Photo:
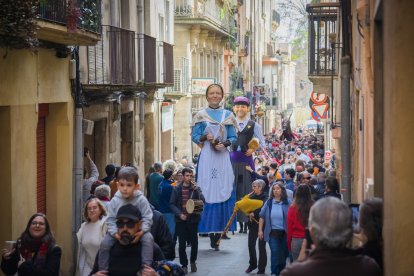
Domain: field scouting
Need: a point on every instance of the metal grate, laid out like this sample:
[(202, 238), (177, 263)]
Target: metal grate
[(323, 27), (178, 81)]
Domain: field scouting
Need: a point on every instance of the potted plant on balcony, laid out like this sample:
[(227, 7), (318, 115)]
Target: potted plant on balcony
[(17, 24)]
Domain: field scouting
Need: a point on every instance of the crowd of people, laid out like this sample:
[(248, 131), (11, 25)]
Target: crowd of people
[(302, 218)]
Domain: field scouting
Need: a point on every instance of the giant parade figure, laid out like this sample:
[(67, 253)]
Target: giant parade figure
[(213, 130), (242, 150)]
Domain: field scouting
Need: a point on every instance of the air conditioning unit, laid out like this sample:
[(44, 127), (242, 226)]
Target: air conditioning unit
[(178, 81), (87, 126)]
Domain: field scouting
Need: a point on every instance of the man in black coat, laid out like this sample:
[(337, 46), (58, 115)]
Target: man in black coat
[(161, 234), (186, 225)]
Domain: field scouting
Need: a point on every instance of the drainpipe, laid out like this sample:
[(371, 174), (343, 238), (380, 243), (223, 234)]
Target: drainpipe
[(78, 153), (346, 128), (141, 29)]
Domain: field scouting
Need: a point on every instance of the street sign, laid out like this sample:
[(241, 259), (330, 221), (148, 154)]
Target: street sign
[(321, 110), (318, 98)]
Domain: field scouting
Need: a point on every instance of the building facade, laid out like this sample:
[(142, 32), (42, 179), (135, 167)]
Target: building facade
[(124, 79), (37, 115)]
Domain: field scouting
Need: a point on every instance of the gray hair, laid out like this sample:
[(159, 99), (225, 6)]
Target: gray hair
[(103, 191), (331, 222), (260, 183)]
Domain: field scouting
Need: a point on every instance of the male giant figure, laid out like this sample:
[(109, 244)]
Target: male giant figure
[(241, 155)]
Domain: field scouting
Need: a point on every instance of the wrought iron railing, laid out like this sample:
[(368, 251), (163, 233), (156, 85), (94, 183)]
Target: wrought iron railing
[(85, 14), (113, 60), (208, 9), (323, 28)]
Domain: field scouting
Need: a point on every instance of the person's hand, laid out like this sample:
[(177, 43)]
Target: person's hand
[(210, 137), (138, 236), (251, 216), (260, 234), (220, 146), (22, 260), (183, 217), (249, 168), (249, 152), (6, 254), (148, 271), (101, 273), (303, 254)]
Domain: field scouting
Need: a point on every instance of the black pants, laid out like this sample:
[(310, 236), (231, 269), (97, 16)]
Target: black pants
[(253, 235), (187, 231)]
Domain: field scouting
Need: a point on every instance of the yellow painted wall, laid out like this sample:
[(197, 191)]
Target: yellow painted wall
[(398, 137), (26, 80)]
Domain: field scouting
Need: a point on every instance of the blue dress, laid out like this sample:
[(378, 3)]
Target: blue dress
[(215, 168)]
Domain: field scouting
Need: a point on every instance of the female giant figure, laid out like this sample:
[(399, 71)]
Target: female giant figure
[(214, 130)]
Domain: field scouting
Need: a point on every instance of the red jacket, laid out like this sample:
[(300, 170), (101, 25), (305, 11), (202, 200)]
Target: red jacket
[(295, 229)]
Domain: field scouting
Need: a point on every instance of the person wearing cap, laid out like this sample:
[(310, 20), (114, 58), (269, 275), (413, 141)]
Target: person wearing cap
[(123, 254), (213, 130), (128, 193), (241, 154)]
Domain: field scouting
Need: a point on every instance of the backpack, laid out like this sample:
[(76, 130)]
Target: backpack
[(168, 268)]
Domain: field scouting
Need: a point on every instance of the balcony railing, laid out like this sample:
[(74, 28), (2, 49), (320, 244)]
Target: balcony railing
[(85, 14), (112, 60), (323, 27), (208, 10)]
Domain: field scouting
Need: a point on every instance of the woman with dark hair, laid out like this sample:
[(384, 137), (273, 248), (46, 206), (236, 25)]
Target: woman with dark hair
[(370, 223), (332, 187), (113, 184), (36, 252), (273, 217), (90, 235), (298, 215)]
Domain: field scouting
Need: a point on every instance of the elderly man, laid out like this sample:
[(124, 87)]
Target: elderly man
[(125, 255), (330, 225)]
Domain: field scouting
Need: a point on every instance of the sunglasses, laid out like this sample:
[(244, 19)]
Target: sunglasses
[(128, 223)]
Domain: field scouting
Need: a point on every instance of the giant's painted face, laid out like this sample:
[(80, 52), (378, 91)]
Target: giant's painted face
[(241, 110)]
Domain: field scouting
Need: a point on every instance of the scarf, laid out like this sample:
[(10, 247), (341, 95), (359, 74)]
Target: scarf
[(35, 251)]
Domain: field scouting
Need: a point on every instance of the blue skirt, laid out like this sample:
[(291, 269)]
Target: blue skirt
[(216, 215)]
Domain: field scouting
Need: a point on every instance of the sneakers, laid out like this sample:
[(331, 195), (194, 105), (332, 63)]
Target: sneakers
[(185, 269), (261, 272), (193, 267), (250, 269)]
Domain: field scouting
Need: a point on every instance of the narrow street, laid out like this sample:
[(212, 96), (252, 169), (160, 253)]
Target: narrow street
[(232, 259)]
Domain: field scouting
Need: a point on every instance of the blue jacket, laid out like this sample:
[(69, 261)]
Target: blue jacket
[(265, 214), (165, 189)]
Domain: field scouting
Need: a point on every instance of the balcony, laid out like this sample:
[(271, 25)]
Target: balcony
[(75, 24), (207, 13), (113, 59), (323, 30)]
